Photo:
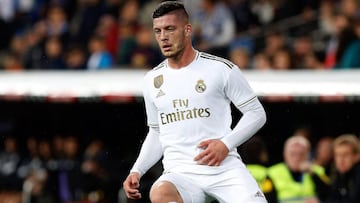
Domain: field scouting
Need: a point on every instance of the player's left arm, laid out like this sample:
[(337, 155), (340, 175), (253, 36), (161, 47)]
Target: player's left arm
[(254, 117), (244, 98), (215, 151)]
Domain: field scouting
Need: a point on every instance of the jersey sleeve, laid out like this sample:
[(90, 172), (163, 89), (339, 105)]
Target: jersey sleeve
[(151, 149), (151, 110), (237, 88), (254, 117), (150, 152)]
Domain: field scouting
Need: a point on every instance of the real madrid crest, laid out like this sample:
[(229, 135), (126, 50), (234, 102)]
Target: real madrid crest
[(158, 81), (200, 86)]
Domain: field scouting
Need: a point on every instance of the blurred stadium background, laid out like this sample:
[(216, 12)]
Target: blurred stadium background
[(301, 57)]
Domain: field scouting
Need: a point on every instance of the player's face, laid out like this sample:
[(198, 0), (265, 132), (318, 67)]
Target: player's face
[(170, 34)]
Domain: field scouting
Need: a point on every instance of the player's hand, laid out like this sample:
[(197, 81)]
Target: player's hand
[(214, 152), (131, 186)]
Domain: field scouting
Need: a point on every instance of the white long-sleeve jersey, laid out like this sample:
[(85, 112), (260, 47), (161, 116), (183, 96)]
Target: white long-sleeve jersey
[(192, 104)]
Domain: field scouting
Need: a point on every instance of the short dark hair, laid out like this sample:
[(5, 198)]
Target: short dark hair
[(169, 6)]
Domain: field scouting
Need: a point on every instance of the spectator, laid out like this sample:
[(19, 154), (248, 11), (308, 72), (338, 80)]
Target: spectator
[(215, 27), (261, 62), (282, 60), (241, 57), (44, 184), (9, 163), (274, 41), (350, 8), (33, 53), (56, 24), (127, 27), (12, 62), (145, 55), (18, 47), (296, 178), (57, 146), (35, 172), (95, 176), (99, 57), (129, 12), (333, 50), (349, 46), (126, 42), (302, 46), (324, 154), (75, 58), (53, 58), (65, 179), (345, 187), (30, 158), (86, 20), (244, 17), (107, 29)]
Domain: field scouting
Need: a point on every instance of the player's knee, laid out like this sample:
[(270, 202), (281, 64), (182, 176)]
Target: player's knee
[(164, 192)]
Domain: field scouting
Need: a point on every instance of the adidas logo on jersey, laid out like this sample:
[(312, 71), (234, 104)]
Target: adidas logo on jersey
[(259, 194), (160, 93)]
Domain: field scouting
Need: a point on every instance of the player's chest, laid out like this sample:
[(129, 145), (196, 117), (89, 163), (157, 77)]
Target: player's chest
[(185, 90)]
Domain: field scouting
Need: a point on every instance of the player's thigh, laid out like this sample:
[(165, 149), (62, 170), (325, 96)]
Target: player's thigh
[(234, 196), (236, 185), (189, 191)]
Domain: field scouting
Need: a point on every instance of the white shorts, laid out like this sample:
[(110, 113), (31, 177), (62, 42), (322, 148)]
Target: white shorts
[(233, 186)]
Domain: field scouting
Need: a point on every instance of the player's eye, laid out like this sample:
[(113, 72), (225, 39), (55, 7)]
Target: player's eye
[(170, 28)]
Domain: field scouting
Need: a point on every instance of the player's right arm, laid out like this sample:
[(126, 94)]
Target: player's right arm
[(150, 152), (149, 155), (151, 149)]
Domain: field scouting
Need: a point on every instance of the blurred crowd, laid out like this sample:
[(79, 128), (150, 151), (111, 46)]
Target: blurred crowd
[(64, 169), (115, 34), (56, 170), (325, 171), (104, 34)]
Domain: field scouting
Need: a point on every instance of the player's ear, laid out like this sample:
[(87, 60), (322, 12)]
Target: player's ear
[(188, 29)]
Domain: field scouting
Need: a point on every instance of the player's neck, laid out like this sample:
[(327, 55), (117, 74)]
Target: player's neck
[(184, 59)]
